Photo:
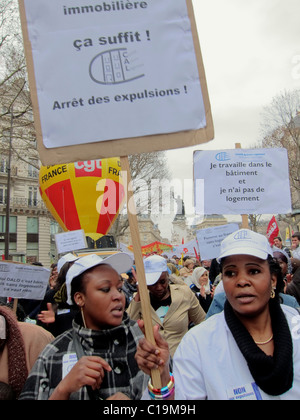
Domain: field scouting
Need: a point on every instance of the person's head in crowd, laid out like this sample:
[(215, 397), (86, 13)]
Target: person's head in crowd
[(278, 242), (206, 264), (53, 275), (295, 240), (157, 276), (189, 264), (295, 265), (249, 271), (94, 284), (66, 259), (131, 276), (283, 260), (200, 279)]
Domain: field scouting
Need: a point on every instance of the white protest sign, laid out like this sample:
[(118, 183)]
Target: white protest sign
[(70, 241), (243, 181), (210, 239), (21, 281), (115, 69)]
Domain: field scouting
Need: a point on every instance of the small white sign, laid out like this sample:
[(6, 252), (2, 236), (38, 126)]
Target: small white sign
[(210, 239), (21, 281), (70, 241), (69, 361), (243, 181)]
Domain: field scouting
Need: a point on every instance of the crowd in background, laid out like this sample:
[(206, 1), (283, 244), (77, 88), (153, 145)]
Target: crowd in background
[(186, 292)]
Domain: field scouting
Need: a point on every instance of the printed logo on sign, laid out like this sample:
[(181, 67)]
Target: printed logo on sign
[(4, 268), (222, 157), (116, 66), (88, 168)]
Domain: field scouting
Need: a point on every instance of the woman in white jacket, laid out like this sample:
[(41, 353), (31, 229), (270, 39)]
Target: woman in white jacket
[(253, 347)]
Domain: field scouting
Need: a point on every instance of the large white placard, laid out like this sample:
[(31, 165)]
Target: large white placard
[(209, 240), (242, 181), (117, 69), (23, 281)]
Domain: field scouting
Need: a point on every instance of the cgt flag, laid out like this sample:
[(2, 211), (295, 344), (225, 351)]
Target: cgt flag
[(273, 230)]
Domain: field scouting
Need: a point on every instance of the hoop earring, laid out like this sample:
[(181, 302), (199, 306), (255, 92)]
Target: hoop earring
[(83, 319), (273, 294)]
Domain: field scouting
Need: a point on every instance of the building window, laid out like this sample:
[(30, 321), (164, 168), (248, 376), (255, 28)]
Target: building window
[(32, 196), (12, 233), (4, 164), (54, 227), (12, 224), (32, 230), (3, 194), (32, 225), (32, 170)]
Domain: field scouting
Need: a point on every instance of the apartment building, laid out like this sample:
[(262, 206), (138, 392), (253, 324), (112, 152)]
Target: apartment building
[(31, 226)]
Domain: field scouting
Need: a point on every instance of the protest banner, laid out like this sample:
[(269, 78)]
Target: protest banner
[(209, 240), (243, 181), (22, 281), (128, 79), (190, 249)]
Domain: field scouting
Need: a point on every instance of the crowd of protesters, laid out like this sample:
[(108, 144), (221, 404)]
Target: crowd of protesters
[(224, 329)]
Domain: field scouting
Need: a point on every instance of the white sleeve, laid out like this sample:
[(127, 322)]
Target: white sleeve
[(188, 370)]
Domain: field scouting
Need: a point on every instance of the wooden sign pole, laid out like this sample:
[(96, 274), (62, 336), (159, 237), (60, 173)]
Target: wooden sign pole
[(137, 250), (245, 219)]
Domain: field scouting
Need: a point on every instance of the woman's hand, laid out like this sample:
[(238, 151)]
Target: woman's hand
[(47, 317), (89, 370), (149, 356)]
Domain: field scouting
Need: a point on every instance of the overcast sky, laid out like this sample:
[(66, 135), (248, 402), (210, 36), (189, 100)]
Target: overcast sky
[(250, 51)]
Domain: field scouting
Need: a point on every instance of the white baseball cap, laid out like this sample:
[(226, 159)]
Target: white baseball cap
[(64, 259), (245, 242), (120, 262), (154, 267)]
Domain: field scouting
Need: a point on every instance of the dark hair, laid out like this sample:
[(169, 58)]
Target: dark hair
[(77, 285), (296, 235), (279, 239), (276, 270), (61, 278), (280, 256)]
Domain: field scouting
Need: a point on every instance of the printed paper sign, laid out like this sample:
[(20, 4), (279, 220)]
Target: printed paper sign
[(113, 69), (243, 181), (23, 281), (209, 240), (70, 241)]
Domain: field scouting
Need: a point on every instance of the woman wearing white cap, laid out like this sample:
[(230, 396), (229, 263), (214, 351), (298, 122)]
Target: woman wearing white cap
[(173, 306), (95, 359), (253, 346)]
